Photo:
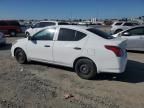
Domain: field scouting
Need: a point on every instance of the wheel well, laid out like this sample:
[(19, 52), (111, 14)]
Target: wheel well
[(119, 30), (16, 49), (83, 58), (27, 32)]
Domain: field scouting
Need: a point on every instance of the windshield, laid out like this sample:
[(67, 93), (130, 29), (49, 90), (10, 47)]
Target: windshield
[(100, 33)]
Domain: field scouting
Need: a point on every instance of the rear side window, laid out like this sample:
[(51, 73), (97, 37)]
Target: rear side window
[(70, 35), (118, 23), (3, 23), (128, 24), (100, 33)]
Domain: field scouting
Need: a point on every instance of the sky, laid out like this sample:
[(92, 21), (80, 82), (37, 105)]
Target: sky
[(65, 9)]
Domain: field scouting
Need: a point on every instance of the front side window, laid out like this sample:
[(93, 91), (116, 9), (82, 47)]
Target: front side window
[(135, 31), (46, 34), (70, 35), (36, 25)]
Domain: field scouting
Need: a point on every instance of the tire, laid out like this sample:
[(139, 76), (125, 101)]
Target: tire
[(85, 69), (117, 31), (27, 34), (12, 33), (20, 56)]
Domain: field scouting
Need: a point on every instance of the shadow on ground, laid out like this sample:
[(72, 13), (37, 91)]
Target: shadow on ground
[(51, 66), (134, 72)]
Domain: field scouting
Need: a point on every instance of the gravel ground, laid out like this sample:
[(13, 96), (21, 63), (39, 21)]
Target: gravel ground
[(38, 85)]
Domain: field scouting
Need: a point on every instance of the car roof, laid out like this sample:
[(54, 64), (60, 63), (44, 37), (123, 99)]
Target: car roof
[(71, 26), (48, 21)]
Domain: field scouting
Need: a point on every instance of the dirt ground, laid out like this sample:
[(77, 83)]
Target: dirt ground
[(38, 85)]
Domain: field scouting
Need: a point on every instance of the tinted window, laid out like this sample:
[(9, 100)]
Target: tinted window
[(13, 23), (100, 33), (136, 31), (128, 24), (63, 23), (44, 24), (79, 35), (46, 34), (3, 23), (70, 35), (118, 23), (37, 25)]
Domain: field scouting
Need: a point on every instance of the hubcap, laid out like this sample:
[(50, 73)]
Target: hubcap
[(20, 56), (84, 69)]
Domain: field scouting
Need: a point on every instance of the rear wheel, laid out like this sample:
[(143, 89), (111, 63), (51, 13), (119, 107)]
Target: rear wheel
[(85, 69), (20, 56)]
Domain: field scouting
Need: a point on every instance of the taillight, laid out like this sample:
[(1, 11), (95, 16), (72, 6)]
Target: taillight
[(118, 51)]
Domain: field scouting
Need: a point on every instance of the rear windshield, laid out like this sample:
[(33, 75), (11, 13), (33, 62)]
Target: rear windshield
[(100, 33)]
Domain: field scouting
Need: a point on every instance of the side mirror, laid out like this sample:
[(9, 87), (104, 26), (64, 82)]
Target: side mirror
[(32, 26), (126, 34), (30, 38)]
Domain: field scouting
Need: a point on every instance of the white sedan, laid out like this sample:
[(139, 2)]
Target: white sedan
[(135, 38), (87, 50), (2, 39)]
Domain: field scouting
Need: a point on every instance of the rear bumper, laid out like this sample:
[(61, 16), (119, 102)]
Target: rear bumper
[(117, 65)]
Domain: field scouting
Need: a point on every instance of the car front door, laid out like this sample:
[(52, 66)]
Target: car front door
[(134, 38), (68, 46), (40, 46)]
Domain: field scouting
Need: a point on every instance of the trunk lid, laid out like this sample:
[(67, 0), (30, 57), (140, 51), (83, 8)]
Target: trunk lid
[(122, 43)]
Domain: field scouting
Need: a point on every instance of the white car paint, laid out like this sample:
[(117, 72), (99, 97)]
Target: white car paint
[(122, 26), (63, 52), (134, 42)]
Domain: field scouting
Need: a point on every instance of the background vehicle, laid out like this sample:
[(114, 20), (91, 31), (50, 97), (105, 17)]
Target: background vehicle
[(135, 38), (10, 27), (2, 39), (87, 50), (120, 26), (38, 26)]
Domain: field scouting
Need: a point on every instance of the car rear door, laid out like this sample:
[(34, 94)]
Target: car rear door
[(134, 38), (68, 46)]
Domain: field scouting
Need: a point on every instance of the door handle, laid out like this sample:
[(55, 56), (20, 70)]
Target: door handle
[(47, 46), (77, 48)]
